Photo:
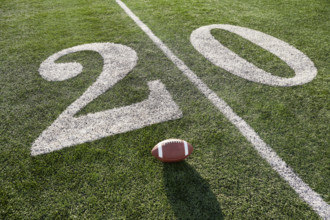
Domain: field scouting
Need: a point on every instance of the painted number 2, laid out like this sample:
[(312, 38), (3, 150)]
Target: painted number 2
[(68, 130)]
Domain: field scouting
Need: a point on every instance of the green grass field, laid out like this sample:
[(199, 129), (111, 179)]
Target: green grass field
[(116, 177)]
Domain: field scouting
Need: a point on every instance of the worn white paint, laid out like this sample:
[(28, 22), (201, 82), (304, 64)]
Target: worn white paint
[(68, 130), (219, 55), (265, 151)]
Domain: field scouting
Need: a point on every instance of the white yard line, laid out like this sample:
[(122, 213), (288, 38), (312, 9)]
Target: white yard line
[(266, 152)]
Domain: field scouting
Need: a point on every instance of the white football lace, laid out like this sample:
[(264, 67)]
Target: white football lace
[(171, 142)]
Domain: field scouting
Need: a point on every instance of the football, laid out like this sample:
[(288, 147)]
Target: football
[(172, 150)]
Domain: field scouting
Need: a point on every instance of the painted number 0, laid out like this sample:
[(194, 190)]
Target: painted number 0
[(216, 53), (119, 60)]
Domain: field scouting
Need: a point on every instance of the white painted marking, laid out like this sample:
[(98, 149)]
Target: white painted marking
[(160, 150), (68, 130), (266, 152), (186, 151), (219, 55)]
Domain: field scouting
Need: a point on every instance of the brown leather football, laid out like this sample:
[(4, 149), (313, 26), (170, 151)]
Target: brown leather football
[(172, 150)]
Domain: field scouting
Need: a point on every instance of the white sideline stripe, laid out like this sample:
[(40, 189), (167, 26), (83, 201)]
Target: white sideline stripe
[(266, 152), (186, 148), (160, 150)]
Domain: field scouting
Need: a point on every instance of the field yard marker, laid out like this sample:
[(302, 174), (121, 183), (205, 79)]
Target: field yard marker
[(68, 130), (221, 56), (266, 152)]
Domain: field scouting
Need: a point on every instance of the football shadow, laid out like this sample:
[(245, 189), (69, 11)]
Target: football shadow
[(189, 194)]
